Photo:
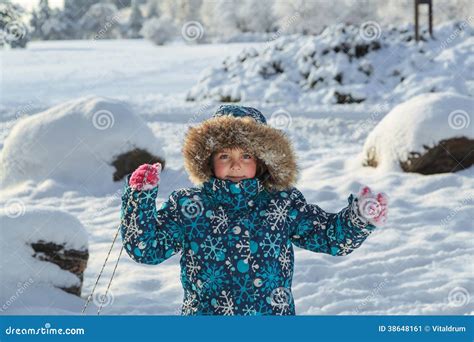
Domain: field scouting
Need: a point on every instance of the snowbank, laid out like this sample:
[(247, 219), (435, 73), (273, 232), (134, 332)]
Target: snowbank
[(422, 121), (344, 65), (21, 226), (75, 143)]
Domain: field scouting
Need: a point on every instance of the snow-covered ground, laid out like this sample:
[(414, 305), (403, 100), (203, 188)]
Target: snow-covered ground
[(419, 263)]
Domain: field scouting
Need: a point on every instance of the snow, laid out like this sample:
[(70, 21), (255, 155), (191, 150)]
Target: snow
[(53, 73), (416, 264), (389, 66), (424, 120), (22, 225), (34, 225), (44, 146)]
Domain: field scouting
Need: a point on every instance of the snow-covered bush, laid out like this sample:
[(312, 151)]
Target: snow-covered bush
[(220, 18), (180, 11), (70, 18), (158, 30), (152, 9), (430, 133), (100, 22), (13, 31), (52, 25), (257, 15), (75, 143), (344, 64), (38, 18), (135, 22)]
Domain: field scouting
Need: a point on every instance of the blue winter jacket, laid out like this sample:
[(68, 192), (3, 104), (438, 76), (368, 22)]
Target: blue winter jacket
[(235, 241)]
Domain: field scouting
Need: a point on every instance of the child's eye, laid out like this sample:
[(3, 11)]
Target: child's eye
[(247, 156), (223, 156)]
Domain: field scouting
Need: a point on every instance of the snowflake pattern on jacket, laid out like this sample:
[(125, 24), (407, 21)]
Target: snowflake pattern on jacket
[(235, 241)]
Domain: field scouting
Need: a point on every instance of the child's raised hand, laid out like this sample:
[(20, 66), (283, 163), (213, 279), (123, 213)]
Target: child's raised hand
[(373, 207), (152, 172)]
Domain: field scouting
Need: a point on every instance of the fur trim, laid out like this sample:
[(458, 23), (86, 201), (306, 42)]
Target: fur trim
[(271, 146)]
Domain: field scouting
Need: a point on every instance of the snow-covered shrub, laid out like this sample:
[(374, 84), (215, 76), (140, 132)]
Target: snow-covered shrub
[(100, 22), (220, 18), (135, 22), (13, 31), (257, 15), (158, 30), (430, 133), (57, 25), (344, 64)]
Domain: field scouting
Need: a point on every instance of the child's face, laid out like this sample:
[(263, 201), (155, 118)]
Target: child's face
[(234, 165)]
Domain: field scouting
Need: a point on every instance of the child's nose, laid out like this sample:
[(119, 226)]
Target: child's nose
[(235, 165)]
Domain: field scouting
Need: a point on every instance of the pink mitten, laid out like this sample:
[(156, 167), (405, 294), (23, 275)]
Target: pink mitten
[(145, 177), (373, 207)]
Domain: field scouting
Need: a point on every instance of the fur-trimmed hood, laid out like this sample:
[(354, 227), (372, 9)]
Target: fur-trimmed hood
[(244, 127)]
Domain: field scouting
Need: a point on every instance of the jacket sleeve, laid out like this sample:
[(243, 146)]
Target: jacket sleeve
[(150, 236), (332, 233)]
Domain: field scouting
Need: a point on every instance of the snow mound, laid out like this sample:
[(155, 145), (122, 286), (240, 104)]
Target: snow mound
[(20, 227), (74, 143), (32, 224), (422, 121), (344, 64)]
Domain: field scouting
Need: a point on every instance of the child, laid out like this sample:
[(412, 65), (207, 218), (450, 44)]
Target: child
[(235, 231)]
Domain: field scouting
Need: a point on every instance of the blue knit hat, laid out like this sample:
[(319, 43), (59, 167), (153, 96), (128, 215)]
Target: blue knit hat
[(240, 111)]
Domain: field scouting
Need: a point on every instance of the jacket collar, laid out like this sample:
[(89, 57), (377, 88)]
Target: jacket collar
[(233, 196)]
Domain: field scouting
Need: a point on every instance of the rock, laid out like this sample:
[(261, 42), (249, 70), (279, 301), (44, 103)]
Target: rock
[(71, 260), (449, 155), (428, 134), (128, 162), (346, 98), (38, 240)]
